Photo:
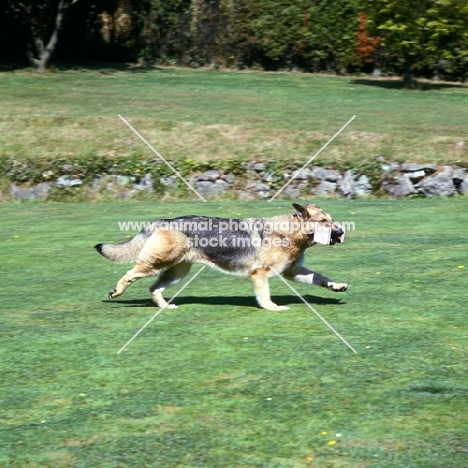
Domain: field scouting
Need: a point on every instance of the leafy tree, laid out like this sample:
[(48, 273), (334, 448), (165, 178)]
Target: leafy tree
[(163, 28), (448, 44), (241, 47), (42, 20), (314, 35), (333, 34), (367, 46), (419, 32), (205, 31), (280, 28)]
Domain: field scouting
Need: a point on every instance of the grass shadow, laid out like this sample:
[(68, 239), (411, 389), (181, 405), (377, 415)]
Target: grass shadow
[(108, 67), (398, 84), (239, 301), (105, 68)]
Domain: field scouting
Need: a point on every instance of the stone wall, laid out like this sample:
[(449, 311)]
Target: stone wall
[(256, 180)]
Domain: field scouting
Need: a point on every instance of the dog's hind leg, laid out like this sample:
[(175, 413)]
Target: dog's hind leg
[(162, 250), (168, 278), (300, 274), (262, 290), (140, 270)]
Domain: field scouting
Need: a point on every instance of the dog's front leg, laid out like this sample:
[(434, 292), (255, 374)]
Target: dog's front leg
[(300, 274), (262, 290)]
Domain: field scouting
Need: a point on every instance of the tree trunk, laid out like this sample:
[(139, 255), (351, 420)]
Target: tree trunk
[(408, 80), (41, 60)]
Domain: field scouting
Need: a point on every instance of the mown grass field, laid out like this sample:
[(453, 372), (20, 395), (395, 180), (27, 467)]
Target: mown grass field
[(219, 382), (206, 115)]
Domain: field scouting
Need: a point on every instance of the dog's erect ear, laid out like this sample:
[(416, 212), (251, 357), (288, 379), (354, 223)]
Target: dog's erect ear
[(300, 211)]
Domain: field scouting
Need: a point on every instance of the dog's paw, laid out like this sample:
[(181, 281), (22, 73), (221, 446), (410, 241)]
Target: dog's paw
[(274, 307), (111, 294), (338, 287), (169, 306)]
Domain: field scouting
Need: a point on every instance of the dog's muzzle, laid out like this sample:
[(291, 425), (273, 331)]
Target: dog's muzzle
[(336, 236)]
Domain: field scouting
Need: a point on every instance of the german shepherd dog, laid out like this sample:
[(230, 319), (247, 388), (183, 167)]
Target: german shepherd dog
[(257, 247)]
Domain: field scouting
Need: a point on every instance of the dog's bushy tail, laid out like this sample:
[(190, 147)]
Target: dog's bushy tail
[(125, 252)]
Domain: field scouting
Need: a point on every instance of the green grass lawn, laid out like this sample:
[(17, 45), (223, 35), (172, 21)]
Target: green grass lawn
[(208, 115), (219, 382)]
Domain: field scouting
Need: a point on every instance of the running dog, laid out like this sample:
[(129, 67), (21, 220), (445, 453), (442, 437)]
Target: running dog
[(257, 247)]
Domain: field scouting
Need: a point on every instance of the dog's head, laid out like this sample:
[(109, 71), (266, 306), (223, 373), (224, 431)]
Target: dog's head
[(312, 216)]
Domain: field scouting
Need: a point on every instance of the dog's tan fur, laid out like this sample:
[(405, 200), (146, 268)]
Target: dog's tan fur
[(170, 254)]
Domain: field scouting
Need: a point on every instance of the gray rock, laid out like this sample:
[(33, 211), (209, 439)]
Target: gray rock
[(459, 175), (390, 167), (324, 174), (416, 176), (169, 181), (362, 187), (463, 189), (211, 175), (122, 181), (269, 177), (259, 189), (209, 188), (259, 167), (229, 178), (346, 185), (303, 174), (97, 183), (205, 187), (146, 183), (447, 170), (401, 187), (68, 182), (325, 188), (439, 185), (32, 193), (414, 167), (42, 189), (292, 192), (258, 186), (67, 168)]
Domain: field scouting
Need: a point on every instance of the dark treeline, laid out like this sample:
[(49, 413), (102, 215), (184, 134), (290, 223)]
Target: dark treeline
[(423, 37)]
